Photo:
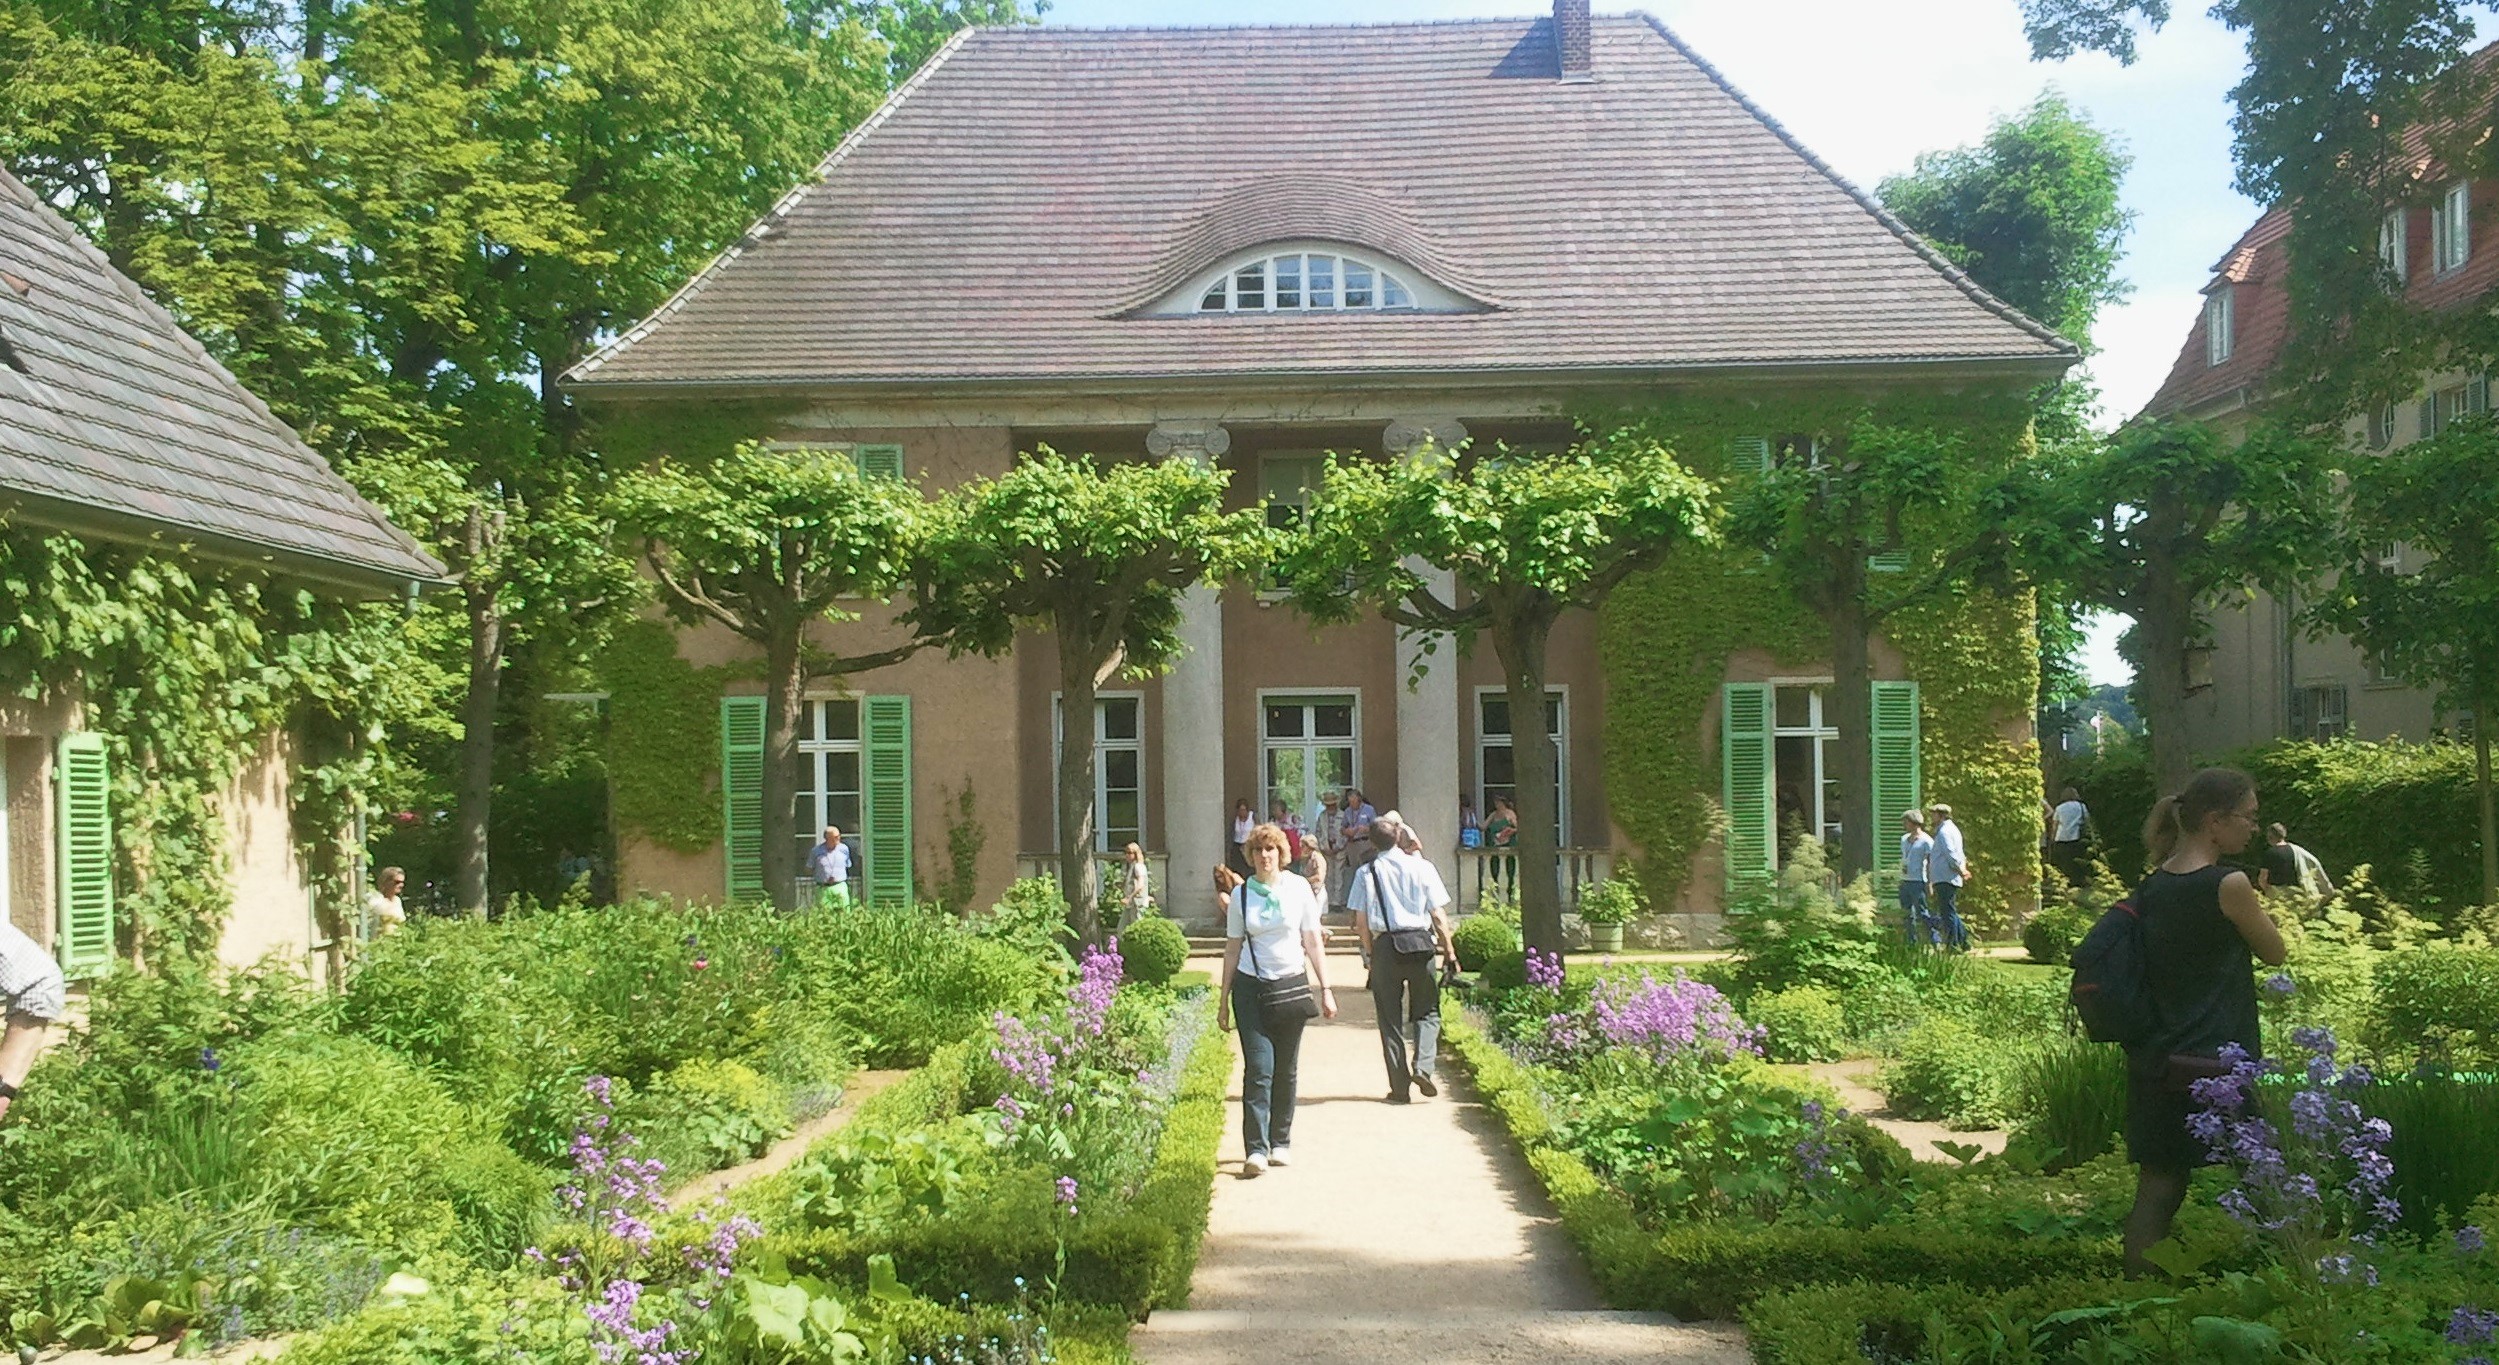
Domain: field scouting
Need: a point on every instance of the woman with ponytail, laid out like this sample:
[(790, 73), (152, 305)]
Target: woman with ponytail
[(2202, 925)]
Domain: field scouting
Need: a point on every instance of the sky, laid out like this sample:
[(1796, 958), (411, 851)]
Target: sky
[(1869, 84)]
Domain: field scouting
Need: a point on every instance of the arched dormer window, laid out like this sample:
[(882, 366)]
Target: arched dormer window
[(1305, 282)]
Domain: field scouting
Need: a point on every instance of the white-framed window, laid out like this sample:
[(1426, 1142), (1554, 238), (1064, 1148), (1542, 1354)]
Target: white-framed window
[(828, 772), (1118, 766), (2451, 228), (2393, 247), (1306, 282), (2220, 324), (1309, 744), (1805, 797), (1496, 768), (2444, 406), (2321, 711), (2381, 426)]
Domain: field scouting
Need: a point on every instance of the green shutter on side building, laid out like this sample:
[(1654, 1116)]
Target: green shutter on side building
[(83, 939), (1896, 776), (885, 799), (1749, 455), (1744, 741), (878, 462), (742, 795)]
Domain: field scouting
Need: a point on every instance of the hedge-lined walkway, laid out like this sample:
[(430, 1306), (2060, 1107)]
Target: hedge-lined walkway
[(1397, 1234)]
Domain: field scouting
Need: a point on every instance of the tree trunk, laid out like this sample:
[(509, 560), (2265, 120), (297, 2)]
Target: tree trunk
[(2161, 626), (785, 682), (1519, 637), (2490, 811), (1852, 693), (1079, 880), (477, 727)]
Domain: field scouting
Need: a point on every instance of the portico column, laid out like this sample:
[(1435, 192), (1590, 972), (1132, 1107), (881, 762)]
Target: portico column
[(1195, 815), (1428, 733)]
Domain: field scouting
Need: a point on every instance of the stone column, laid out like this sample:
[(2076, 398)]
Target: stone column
[(1195, 813), (1429, 738)]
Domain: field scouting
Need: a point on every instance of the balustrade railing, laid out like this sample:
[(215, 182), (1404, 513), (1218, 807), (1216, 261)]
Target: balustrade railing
[(1496, 871)]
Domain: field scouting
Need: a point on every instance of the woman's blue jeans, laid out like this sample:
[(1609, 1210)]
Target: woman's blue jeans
[(1271, 1055)]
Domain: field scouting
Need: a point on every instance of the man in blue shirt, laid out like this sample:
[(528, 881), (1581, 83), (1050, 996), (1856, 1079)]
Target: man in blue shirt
[(1917, 847), (830, 862), (1947, 867)]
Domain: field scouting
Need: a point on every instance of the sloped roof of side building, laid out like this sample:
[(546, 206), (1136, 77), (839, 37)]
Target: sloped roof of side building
[(116, 423)]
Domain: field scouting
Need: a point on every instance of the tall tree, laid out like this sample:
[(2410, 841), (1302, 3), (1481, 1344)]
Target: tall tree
[(2431, 617), (1523, 538), (768, 543), (2161, 522), (1862, 514), (1095, 555), (402, 222)]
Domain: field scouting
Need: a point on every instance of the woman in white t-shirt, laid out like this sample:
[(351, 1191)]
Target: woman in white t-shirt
[(1271, 934)]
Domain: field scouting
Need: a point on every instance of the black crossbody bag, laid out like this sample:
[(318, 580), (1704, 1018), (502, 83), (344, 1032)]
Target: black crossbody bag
[(1409, 942), (1286, 997)]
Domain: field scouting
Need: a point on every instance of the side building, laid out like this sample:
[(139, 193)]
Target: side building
[(117, 428), (1255, 246), (2263, 675)]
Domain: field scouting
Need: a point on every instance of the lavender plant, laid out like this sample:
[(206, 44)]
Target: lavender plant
[(1072, 1101)]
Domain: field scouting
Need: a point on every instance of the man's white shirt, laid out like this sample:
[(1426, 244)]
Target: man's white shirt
[(1409, 890)]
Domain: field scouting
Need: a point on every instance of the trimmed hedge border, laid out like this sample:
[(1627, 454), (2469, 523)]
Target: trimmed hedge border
[(1844, 1324), (1135, 1260), (1715, 1270)]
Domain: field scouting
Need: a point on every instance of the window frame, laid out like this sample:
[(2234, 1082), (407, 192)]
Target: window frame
[(812, 750), (1310, 698), (2395, 244), (1387, 290), (1823, 731), (2451, 229), (1558, 703), (2221, 324), (1102, 744), (2308, 720)]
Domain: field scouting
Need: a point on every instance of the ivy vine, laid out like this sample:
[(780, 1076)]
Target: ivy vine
[(663, 737)]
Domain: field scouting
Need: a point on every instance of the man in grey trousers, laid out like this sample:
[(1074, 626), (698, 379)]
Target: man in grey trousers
[(1401, 912)]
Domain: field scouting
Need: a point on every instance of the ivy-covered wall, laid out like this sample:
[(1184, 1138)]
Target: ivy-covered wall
[(1666, 638), (186, 669), (663, 738)]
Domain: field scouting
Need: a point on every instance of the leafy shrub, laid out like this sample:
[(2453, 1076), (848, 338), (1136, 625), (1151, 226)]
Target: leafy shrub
[(904, 982), (1481, 938), (1794, 932), (267, 1277), (1714, 1270), (1720, 1141), (2049, 936), (1154, 950), (1800, 1024), (1881, 1005), (2440, 994), (1612, 901), (1504, 971), (2445, 1148), (706, 1115), (1945, 1069), (801, 1051), (1031, 916)]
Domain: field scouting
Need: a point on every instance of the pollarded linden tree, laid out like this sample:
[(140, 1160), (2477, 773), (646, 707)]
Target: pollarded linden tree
[(1524, 537)]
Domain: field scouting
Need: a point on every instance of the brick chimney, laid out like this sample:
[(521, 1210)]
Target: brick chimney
[(1570, 38)]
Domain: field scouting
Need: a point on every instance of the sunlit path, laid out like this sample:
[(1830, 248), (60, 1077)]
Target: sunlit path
[(1398, 1233)]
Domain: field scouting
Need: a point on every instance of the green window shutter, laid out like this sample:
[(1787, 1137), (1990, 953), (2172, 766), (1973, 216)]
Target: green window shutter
[(878, 462), (2477, 394), (1744, 737), (1895, 767), (83, 939), (885, 801), (1749, 455), (2429, 416), (1890, 561), (742, 795)]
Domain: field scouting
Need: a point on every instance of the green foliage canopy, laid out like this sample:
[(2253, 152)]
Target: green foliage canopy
[(1097, 555), (1522, 537)]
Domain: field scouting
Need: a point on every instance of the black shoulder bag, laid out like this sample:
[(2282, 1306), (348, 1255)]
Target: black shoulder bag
[(1286, 997), (1410, 942)]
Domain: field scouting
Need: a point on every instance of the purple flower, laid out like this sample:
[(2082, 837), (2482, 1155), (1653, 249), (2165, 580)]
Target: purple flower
[(2469, 1240), (1067, 1194), (208, 1060), (2471, 1326), (1670, 1020), (2314, 1039), (1544, 969), (2279, 984)]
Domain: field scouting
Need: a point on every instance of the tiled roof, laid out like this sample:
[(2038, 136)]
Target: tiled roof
[(114, 421), (2258, 263), (1009, 209)]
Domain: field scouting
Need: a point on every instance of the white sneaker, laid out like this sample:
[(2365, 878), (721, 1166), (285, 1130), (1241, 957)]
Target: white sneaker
[(1281, 1156), (1255, 1167)]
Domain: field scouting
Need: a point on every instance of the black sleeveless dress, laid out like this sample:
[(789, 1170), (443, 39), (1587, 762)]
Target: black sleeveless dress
[(2203, 980)]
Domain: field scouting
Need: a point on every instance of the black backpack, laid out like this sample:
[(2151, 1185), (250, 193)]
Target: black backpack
[(2112, 990)]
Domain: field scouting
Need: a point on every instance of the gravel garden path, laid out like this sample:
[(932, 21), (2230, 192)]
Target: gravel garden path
[(1397, 1234), (1855, 1083)]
